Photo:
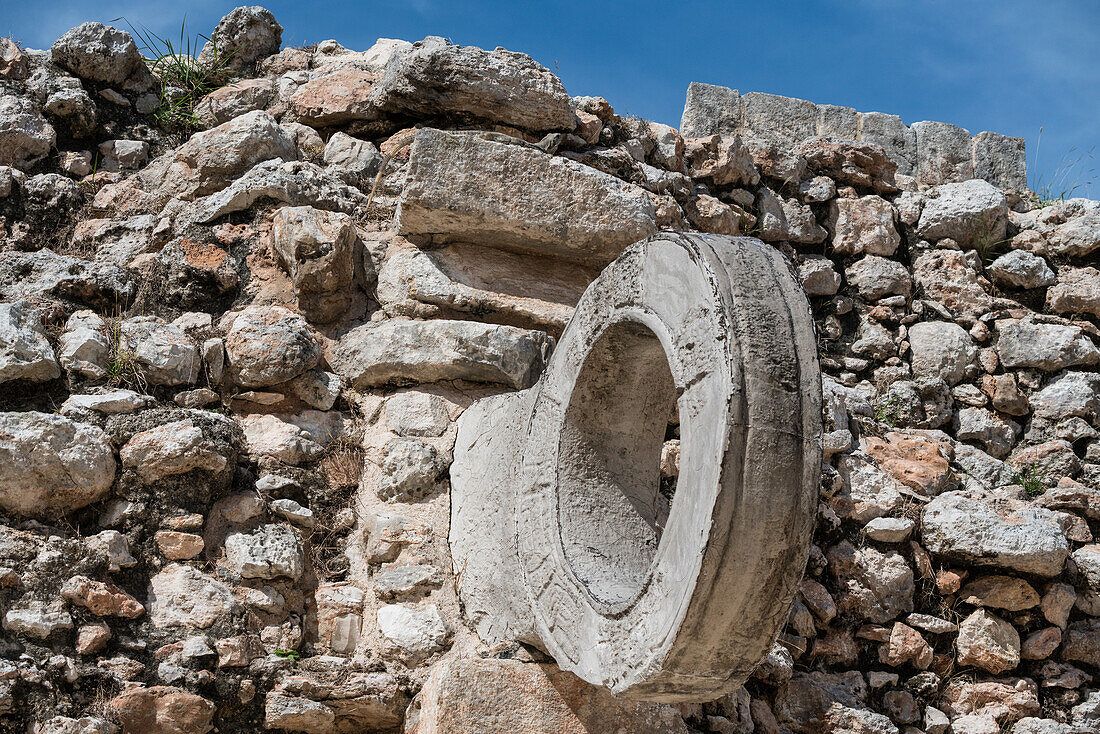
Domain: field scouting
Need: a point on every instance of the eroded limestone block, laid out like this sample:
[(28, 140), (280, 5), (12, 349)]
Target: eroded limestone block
[(566, 536), (550, 205)]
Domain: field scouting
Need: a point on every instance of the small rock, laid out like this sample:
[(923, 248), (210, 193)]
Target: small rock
[(170, 449), (410, 470), (416, 630), (25, 353), (889, 529), (1000, 592), (270, 551), (177, 546), (100, 598), (1021, 269), (988, 642)]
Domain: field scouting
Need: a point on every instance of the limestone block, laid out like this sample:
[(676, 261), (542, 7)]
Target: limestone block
[(463, 188)]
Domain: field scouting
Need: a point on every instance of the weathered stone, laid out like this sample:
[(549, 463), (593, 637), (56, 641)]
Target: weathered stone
[(429, 351), (177, 546), (338, 96), (25, 136), (1081, 642), (710, 110), (898, 140), (398, 581), (1049, 347), (917, 461), (889, 529), (1087, 559), (723, 159), (818, 275), (478, 696), (1021, 269), (1049, 461), (163, 710), (319, 250), (772, 119), (871, 492), (905, 645), (943, 153), (969, 212), (37, 619), (997, 435), (233, 100), (863, 165), (84, 347), (988, 642), (46, 274), (875, 586), (124, 154), (995, 532), (339, 616), (294, 713), (98, 53), (52, 465), (1006, 699), (434, 76), (296, 183), (416, 631), (1078, 237), (941, 349), (946, 277), (357, 159), (1006, 394), (990, 473), (538, 292), (708, 214), (414, 413), (1077, 291), (464, 188), (173, 448), (1000, 592), (1041, 644), (863, 226), (211, 160), (267, 345), (183, 596), (243, 37), (1069, 394), (271, 551), (875, 277), (291, 439), (163, 354), (1000, 160), (25, 353), (100, 598), (806, 702), (410, 470)]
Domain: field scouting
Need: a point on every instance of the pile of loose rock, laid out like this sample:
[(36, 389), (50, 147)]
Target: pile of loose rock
[(231, 366)]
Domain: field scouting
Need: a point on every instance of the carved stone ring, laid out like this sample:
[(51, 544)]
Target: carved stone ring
[(564, 534)]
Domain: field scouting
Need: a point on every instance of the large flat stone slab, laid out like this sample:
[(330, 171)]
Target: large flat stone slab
[(474, 696), (405, 352), (464, 188)]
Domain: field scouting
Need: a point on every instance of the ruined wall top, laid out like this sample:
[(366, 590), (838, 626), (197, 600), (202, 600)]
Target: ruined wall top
[(933, 152)]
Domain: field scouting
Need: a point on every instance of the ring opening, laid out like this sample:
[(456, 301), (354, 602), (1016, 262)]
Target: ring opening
[(612, 499)]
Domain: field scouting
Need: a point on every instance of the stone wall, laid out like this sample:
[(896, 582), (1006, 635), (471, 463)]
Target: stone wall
[(235, 346), (931, 152)]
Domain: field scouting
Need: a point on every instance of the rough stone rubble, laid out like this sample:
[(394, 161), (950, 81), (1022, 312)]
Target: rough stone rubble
[(229, 391)]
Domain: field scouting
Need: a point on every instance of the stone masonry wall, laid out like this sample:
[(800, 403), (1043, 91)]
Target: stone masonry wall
[(931, 152), (235, 343)]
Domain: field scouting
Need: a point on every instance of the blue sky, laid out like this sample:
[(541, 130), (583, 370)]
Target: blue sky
[(1006, 65)]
